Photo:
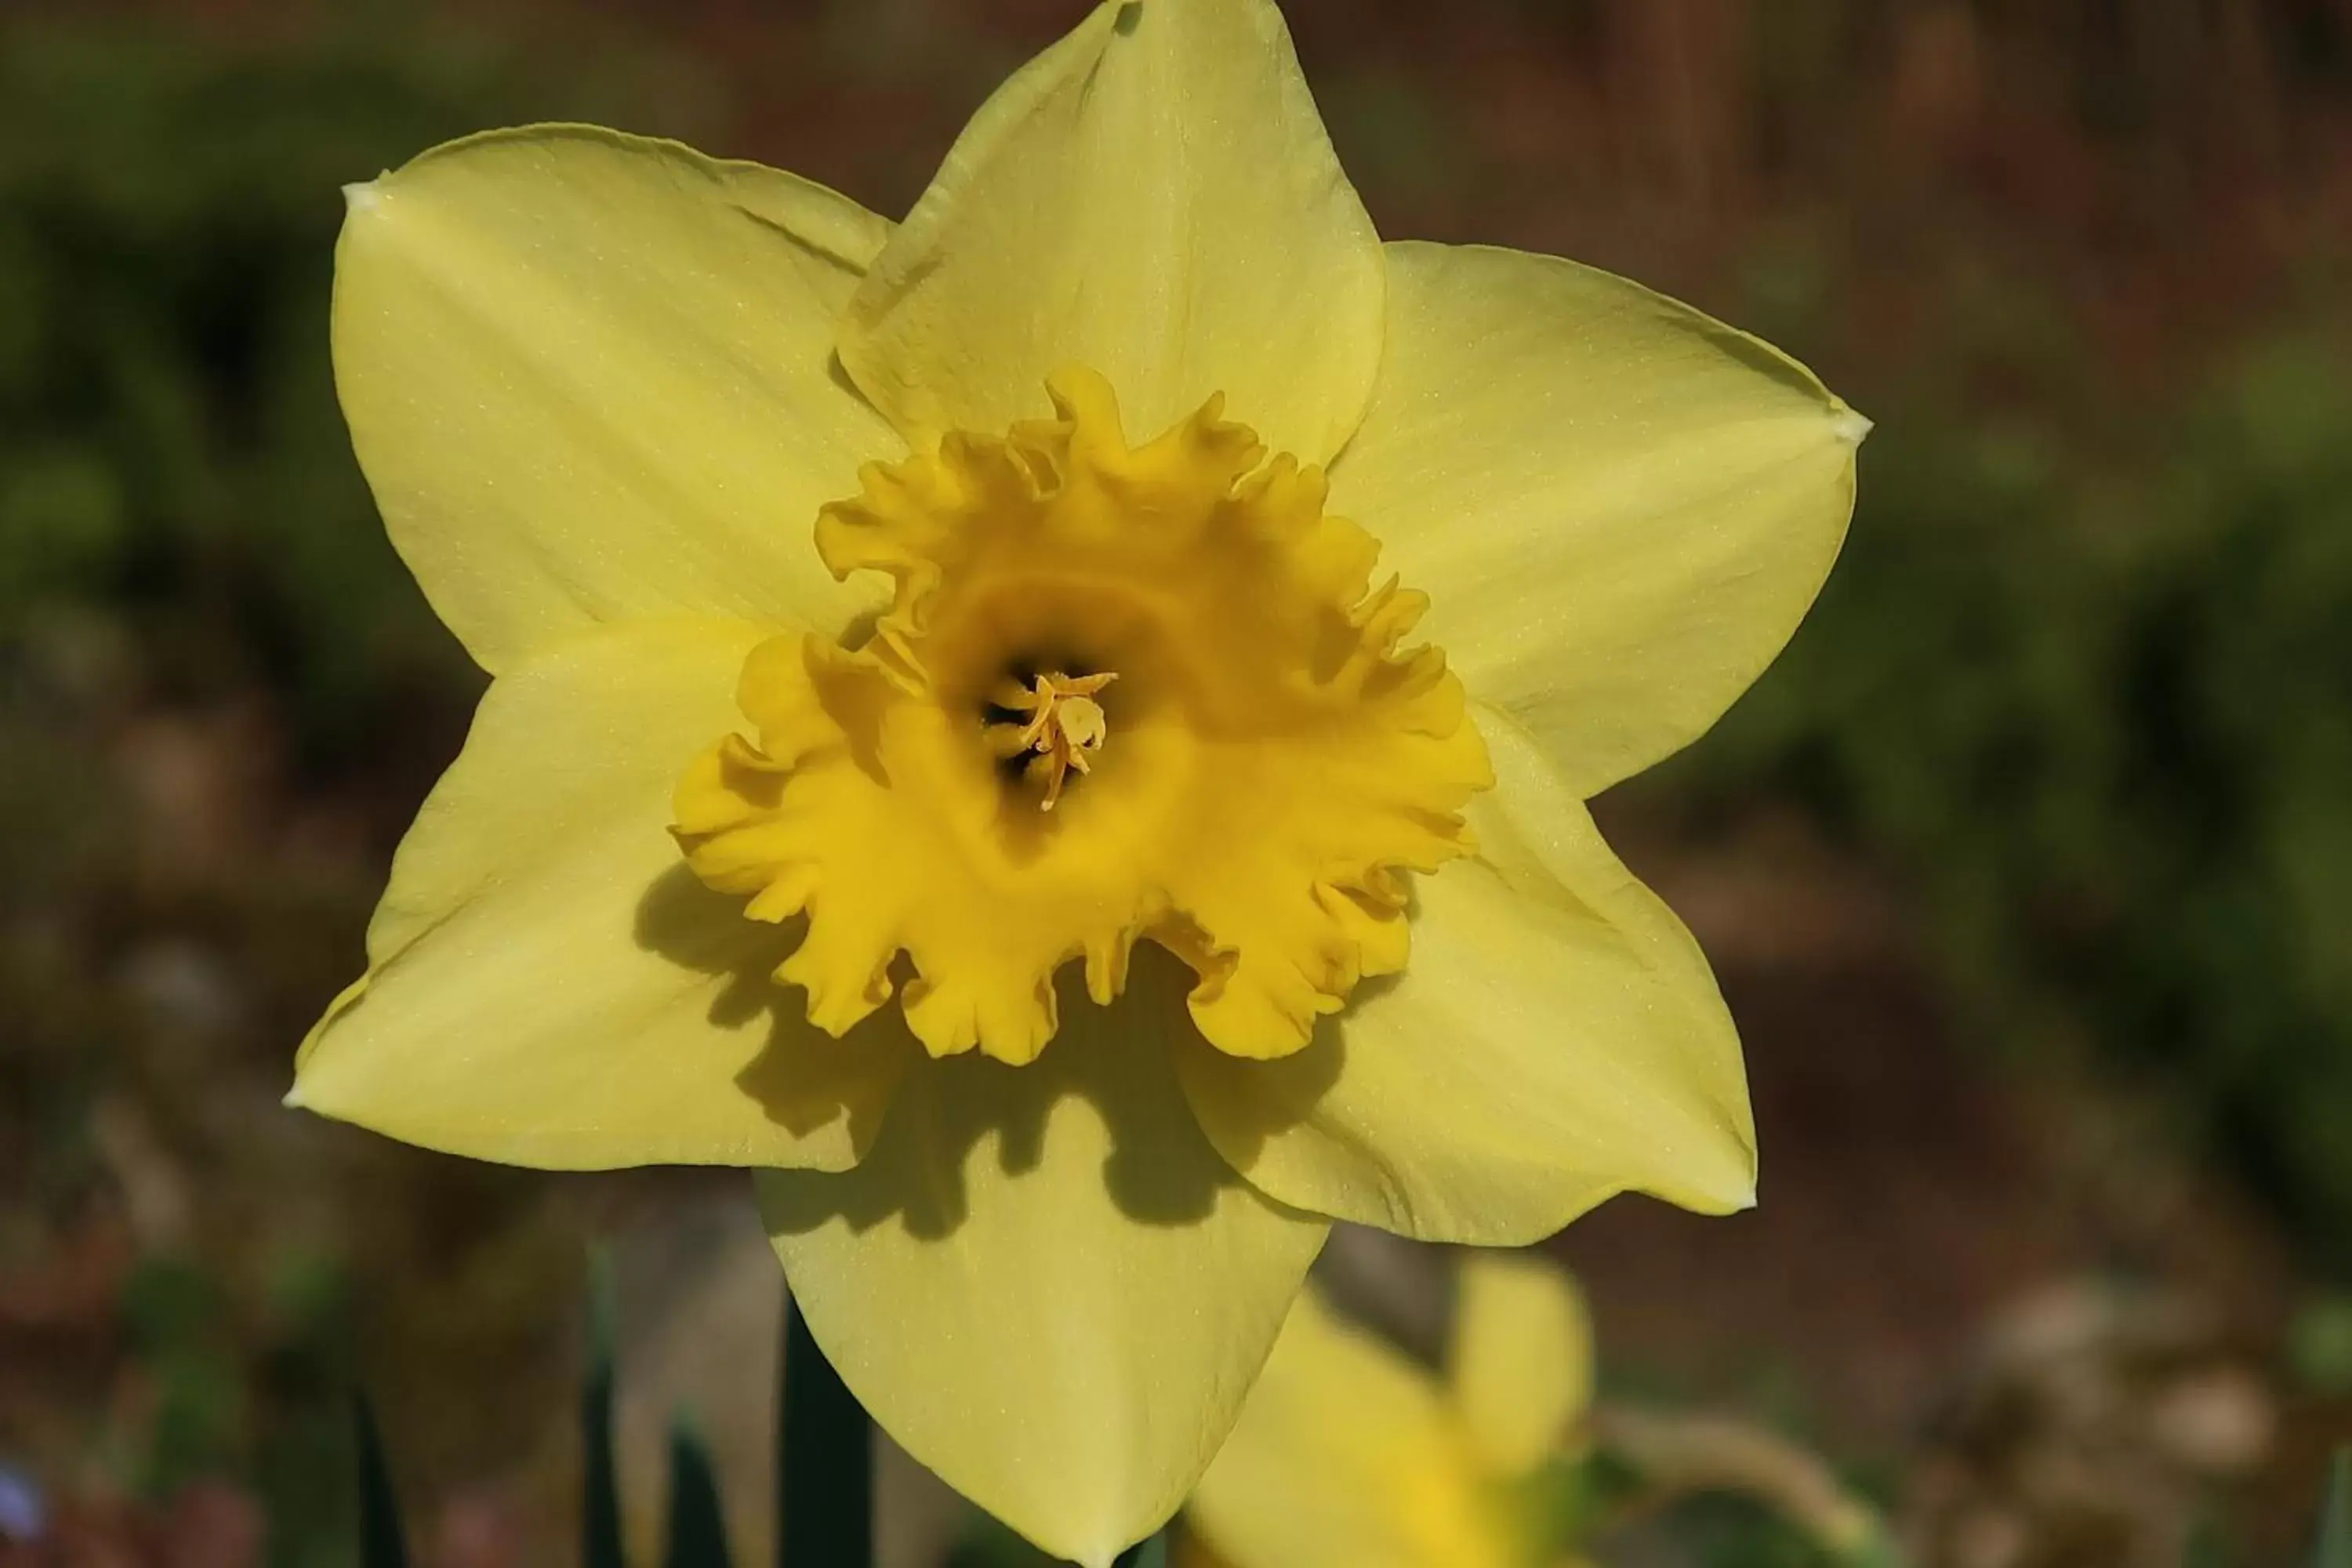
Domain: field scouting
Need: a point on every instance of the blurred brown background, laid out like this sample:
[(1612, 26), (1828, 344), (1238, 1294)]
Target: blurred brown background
[(2028, 872)]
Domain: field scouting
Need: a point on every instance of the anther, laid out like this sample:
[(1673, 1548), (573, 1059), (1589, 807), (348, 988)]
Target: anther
[(1064, 724)]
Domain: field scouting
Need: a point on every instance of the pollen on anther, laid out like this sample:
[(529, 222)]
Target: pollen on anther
[(1064, 724)]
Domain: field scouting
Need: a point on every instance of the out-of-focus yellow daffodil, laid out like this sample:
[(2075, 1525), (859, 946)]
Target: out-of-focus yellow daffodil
[(1349, 1454), (948, 751)]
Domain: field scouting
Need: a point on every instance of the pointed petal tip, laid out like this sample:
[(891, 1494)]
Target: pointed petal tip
[(362, 197), (1286, 301), (1117, 1548), (1736, 1191), (1716, 1186), (1852, 428)]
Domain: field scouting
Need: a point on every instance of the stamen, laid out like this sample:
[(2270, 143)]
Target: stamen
[(1064, 724), (1284, 760)]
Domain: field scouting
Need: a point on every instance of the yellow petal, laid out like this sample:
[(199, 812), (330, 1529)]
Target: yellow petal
[(590, 377), (1555, 1039), (1521, 1360), (1042, 1280), (549, 984), (1347, 1456), (1619, 508), (1153, 197)]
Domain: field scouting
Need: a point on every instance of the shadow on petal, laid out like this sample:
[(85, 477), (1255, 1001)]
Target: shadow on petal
[(970, 1119), (803, 1078), (1283, 1092), (1042, 1280)]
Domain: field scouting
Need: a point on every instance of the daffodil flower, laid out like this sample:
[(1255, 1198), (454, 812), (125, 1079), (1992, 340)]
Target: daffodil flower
[(969, 737), (1349, 1454)]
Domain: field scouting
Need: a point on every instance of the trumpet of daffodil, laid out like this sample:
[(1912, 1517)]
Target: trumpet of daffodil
[(1349, 1455), (969, 737)]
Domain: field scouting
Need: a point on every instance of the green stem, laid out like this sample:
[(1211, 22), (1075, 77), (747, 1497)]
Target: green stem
[(698, 1521), (824, 1462), (380, 1542), (1152, 1553), (600, 1522), (2334, 1548)]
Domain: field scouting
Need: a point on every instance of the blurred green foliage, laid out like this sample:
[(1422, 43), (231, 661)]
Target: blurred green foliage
[(2319, 1346), (169, 440), (170, 443), (2097, 713)]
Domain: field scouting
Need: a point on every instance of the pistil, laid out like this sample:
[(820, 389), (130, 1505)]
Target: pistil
[(1064, 724)]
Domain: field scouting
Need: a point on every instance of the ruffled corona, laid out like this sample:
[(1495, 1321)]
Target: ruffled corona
[(1118, 693)]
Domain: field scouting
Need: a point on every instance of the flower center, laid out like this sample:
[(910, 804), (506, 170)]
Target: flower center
[(940, 799), (1061, 724)]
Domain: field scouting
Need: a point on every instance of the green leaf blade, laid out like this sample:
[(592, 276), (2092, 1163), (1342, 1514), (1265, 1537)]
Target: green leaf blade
[(2333, 1547), (698, 1523), (600, 1523), (824, 1461), (1152, 1553), (381, 1544)]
